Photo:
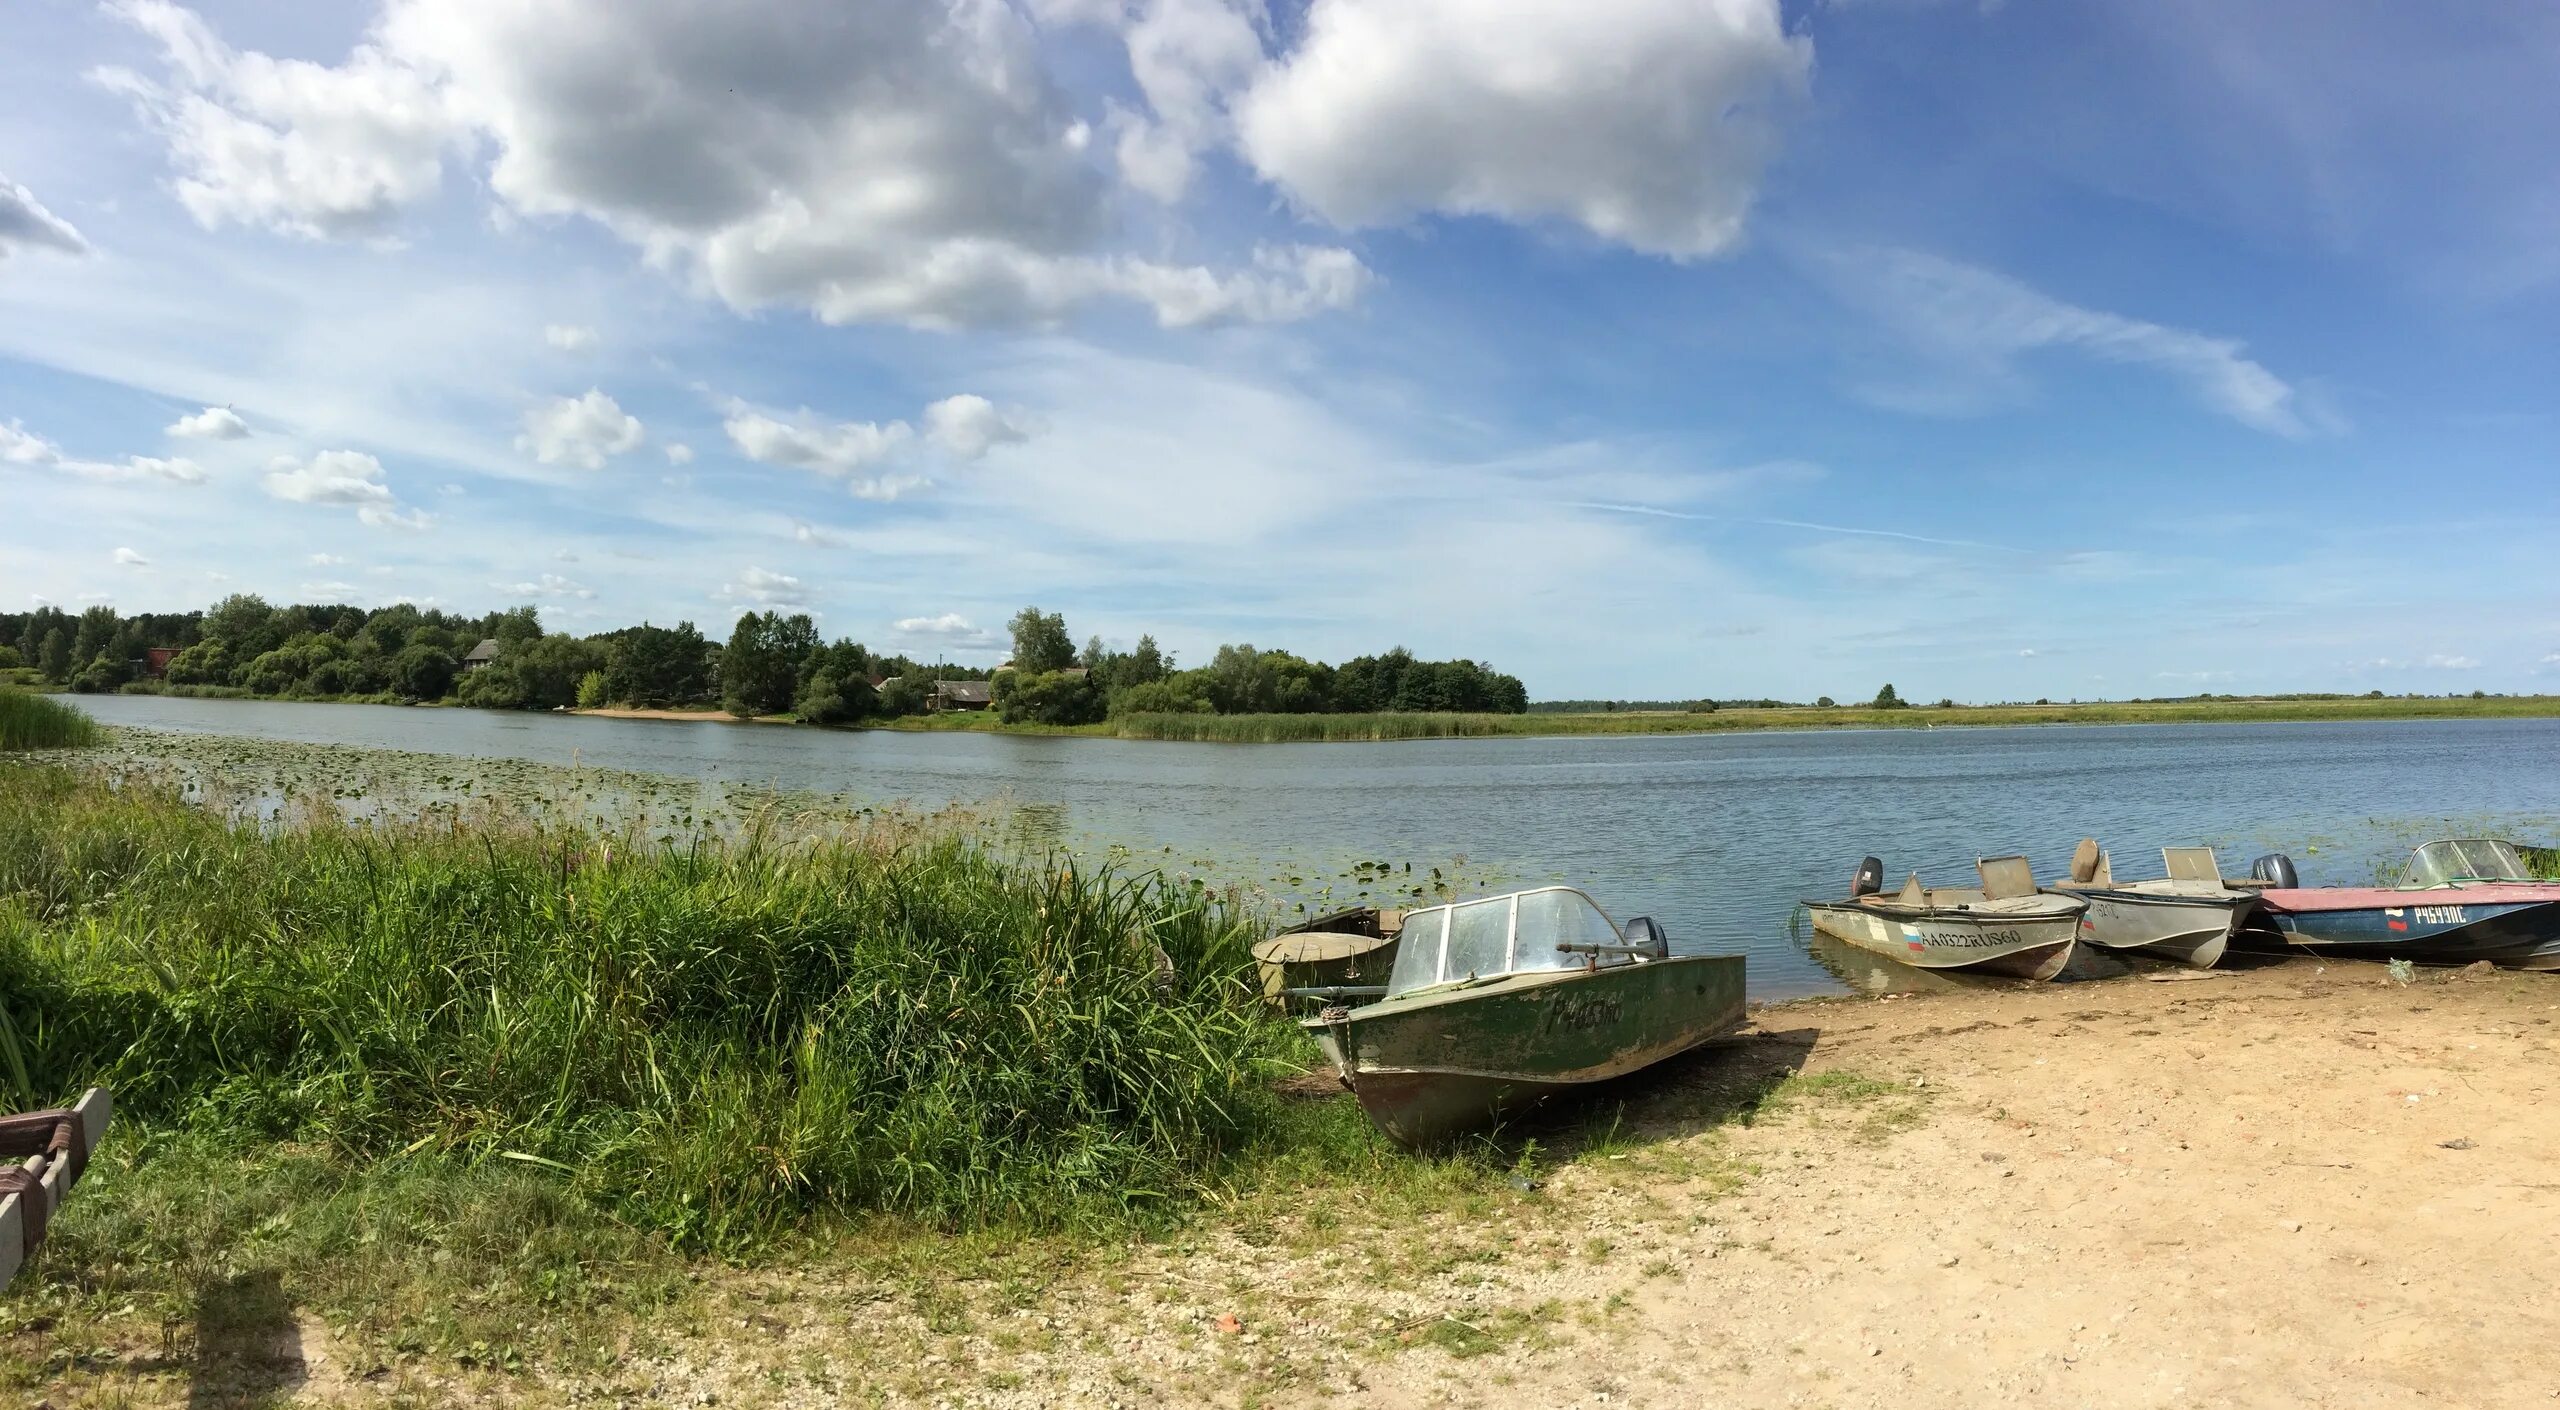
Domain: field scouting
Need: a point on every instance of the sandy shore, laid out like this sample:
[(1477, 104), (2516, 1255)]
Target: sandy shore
[(2297, 1185), (2290, 1185)]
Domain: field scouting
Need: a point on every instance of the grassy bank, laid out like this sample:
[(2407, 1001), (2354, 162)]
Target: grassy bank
[(41, 722), (1274, 729), (710, 1040)]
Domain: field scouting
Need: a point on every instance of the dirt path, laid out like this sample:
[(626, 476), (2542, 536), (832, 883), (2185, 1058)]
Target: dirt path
[(2295, 1185)]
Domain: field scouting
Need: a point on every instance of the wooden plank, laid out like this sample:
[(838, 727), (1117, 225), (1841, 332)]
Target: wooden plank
[(94, 1107)]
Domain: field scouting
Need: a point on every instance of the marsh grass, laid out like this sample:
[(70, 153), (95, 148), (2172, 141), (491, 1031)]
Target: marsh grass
[(42, 722), (1287, 729), (709, 1040)]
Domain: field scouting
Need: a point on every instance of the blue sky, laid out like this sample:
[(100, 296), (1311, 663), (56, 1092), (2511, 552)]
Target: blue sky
[(1640, 347)]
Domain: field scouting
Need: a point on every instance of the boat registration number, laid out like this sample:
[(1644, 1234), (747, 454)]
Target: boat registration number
[(2441, 915), (1961, 939), (1584, 1011)]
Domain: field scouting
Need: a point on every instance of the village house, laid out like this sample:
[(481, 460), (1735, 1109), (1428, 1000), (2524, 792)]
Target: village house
[(481, 655), (961, 695)]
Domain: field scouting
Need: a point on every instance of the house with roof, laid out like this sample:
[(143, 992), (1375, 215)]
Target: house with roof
[(481, 655), (961, 695)]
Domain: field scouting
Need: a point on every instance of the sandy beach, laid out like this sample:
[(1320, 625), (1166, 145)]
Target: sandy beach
[(2298, 1184)]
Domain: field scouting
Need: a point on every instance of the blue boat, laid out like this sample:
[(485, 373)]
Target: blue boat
[(2467, 899)]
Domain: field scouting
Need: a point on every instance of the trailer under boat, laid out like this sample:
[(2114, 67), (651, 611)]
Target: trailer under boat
[(42, 1156), (2007, 927), (1498, 1003), (2187, 914), (1342, 956), (2468, 899)]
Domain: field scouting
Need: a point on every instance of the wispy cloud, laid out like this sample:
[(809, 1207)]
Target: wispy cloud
[(1972, 326)]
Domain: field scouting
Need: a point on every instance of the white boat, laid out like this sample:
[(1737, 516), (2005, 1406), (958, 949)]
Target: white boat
[(2006, 927), (2188, 914)]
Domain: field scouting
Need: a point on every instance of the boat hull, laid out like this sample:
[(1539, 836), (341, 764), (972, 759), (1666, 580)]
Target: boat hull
[(1429, 1065), (2451, 926), (2190, 929), (2018, 947)]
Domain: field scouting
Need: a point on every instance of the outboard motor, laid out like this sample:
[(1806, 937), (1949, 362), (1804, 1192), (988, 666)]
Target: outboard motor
[(1869, 880), (1643, 934), (2276, 870)]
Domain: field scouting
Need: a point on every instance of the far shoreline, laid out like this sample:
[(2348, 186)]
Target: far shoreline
[(1393, 727)]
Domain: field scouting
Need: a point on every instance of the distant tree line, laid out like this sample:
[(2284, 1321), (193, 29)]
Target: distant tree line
[(771, 664), (244, 646), (1051, 682)]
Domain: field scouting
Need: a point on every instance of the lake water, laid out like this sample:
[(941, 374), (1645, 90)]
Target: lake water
[(1717, 836)]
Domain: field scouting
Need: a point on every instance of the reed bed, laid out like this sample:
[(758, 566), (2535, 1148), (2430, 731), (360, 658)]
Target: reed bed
[(710, 1039), (41, 722)]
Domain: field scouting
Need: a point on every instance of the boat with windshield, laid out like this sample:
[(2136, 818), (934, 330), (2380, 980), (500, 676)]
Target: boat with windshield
[(2466, 899), (1501, 1001), (2187, 913)]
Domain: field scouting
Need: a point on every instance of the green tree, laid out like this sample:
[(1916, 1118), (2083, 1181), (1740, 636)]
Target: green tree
[(1886, 699), (591, 694), (905, 694), (655, 667), (760, 668), (421, 672), (1048, 698), (1041, 643), (1824, 703), (55, 658), (1179, 694), (830, 699), (516, 625), (10, 660)]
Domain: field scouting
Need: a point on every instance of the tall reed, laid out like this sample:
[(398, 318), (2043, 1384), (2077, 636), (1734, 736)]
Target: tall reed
[(40, 722), (709, 1038)]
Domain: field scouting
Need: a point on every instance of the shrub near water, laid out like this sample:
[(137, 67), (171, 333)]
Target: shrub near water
[(710, 1039), (35, 722)]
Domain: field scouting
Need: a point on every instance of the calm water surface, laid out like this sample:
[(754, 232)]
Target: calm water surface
[(1717, 836)]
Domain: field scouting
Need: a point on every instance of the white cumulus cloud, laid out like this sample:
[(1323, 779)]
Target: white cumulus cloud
[(579, 431), (131, 559), (569, 337), (26, 225), (548, 585), (969, 426), (946, 631), (1646, 122), (838, 448), (764, 587), (304, 148), (214, 423), (905, 161), (678, 453), (19, 446), (331, 477)]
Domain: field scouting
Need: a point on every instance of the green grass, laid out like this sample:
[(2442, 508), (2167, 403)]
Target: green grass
[(41, 722), (710, 1040), (1289, 729)]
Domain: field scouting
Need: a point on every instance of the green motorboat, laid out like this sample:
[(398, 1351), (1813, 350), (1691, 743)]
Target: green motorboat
[(1497, 1003)]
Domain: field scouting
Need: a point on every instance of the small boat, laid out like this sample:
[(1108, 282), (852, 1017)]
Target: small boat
[(2466, 899), (2008, 927), (1501, 1002), (1346, 955), (2187, 914)]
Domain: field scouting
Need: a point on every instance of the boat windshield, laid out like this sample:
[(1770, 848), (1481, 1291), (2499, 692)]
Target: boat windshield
[(1514, 934), (2467, 859)]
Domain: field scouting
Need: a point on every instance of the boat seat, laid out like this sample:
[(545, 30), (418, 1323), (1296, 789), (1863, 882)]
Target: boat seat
[(2085, 861), (2005, 877)]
